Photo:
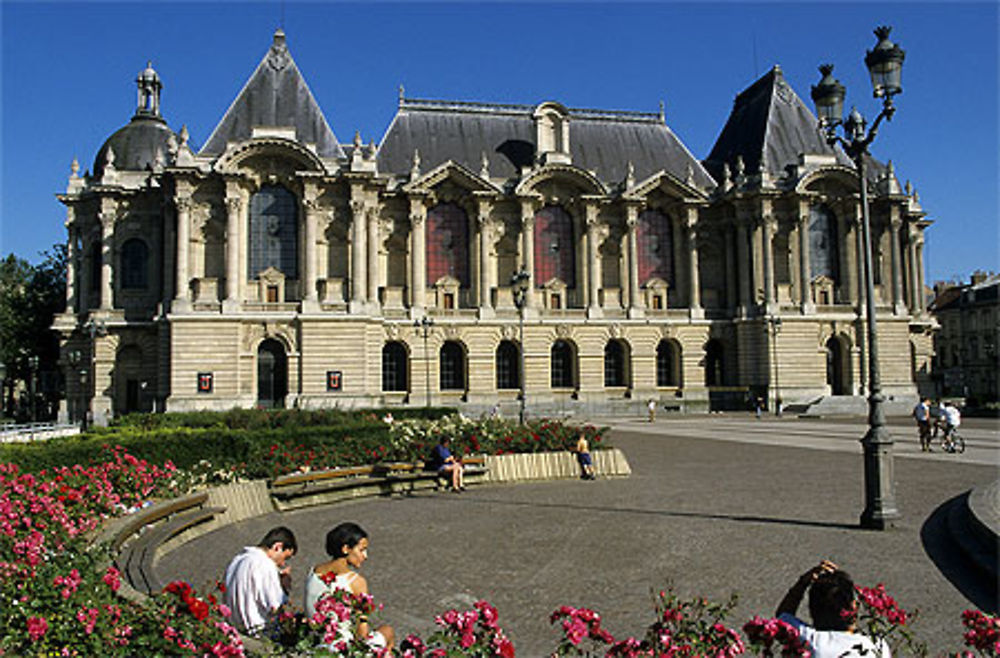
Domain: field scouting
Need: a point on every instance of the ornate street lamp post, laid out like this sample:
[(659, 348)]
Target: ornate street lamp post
[(423, 327), (885, 65), (519, 284), (775, 325), (3, 388), (75, 359), (33, 385)]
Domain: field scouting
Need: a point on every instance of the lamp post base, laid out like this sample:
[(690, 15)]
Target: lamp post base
[(880, 499)]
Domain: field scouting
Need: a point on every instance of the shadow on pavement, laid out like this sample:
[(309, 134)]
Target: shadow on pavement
[(670, 514), (948, 557)]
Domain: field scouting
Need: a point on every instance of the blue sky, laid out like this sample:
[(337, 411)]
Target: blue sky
[(68, 72)]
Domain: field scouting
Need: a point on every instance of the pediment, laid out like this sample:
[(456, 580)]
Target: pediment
[(832, 178), (452, 172), (447, 282), (656, 283), (666, 183), (271, 275), (584, 181), (265, 154), (555, 284)]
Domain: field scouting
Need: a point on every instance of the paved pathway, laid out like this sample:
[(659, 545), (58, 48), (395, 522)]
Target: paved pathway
[(714, 505)]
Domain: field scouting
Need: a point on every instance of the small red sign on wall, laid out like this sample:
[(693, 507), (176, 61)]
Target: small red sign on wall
[(334, 380), (205, 382)]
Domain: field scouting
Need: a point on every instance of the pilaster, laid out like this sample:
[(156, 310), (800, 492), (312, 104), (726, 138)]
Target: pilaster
[(182, 288), (594, 260), (528, 248), (635, 307), (694, 281), (895, 225), (486, 266), (806, 301), (234, 223), (107, 221), (418, 256)]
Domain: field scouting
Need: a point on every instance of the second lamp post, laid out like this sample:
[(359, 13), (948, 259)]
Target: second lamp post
[(520, 285)]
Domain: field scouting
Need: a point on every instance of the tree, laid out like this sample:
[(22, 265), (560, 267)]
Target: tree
[(30, 296)]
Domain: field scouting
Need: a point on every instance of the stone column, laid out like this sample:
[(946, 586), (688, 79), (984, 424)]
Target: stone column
[(730, 268), (234, 217), (808, 304), (72, 256), (528, 248), (310, 296), (919, 266), (632, 223), (374, 239), (743, 265), (359, 270), (594, 260), (769, 224), (694, 281), (485, 238), (678, 240), (418, 256), (182, 289), (107, 220), (896, 261)]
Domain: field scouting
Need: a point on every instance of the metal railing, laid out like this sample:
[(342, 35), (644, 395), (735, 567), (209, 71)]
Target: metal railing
[(28, 432)]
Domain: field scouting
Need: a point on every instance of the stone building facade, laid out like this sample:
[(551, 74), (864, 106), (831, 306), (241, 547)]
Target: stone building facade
[(279, 266), (966, 363)]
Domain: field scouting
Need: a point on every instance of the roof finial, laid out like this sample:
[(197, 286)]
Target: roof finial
[(663, 113), (357, 139), (402, 95), (629, 175), (415, 169), (484, 166), (74, 168), (149, 86)]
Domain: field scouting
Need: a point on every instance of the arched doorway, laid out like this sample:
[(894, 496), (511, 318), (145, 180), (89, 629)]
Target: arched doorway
[(835, 367), (131, 389), (272, 375)]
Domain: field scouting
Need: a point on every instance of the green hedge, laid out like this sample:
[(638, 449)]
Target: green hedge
[(263, 444)]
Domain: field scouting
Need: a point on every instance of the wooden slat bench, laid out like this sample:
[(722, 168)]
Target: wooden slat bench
[(320, 487), (135, 539)]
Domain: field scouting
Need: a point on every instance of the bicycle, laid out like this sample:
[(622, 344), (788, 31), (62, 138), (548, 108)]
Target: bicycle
[(952, 442)]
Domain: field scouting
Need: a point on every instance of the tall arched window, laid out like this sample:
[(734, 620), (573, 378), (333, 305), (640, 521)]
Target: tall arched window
[(555, 248), (713, 363), (655, 246), (448, 244), (394, 366), (508, 365), (273, 232), (562, 365), (614, 364), (452, 359), (135, 265), (824, 254), (667, 364)]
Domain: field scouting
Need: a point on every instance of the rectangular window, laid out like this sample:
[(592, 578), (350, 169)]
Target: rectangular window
[(448, 300), (657, 302), (272, 294), (556, 301)]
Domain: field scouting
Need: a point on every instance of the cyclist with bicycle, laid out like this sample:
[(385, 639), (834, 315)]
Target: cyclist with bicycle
[(952, 419)]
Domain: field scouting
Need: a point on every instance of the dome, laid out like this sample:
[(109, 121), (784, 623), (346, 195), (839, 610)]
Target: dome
[(136, 145)]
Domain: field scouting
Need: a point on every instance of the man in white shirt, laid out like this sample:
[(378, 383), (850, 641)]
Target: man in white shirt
[(952, 419), (258, 580), (834, 610)]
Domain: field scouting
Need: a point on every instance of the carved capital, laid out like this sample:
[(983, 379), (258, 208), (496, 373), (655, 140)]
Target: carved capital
[(234, 205), (183, 204), (311, 204), (417, 219)]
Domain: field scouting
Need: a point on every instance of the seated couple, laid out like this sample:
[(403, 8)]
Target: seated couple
[(258, 582)]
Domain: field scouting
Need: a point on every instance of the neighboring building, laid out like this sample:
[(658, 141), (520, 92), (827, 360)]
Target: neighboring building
[(965, 348), (278, 266)]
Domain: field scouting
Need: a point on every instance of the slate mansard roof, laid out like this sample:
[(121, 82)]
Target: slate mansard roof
[(604, 142), (769, 120), (275, 95)]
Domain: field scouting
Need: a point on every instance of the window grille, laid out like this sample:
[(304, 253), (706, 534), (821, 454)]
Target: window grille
[(508, 365), (655, 246), (394, 368), (452, 366), (448, 244), (562, 365), (273, 232), (555, 252), (135, 264)]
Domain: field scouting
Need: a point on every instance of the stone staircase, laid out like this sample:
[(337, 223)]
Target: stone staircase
[(847, 405)]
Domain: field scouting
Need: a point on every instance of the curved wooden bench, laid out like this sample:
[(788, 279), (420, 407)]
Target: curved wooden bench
[(297, 490), (134, 539)]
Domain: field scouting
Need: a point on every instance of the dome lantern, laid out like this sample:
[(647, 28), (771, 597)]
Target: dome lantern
[(149, 86)]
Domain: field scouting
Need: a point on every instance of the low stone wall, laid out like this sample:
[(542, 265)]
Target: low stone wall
[(552, 466)]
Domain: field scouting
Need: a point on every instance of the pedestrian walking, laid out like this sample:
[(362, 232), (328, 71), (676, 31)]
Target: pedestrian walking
[(922, 414), (652, 410)]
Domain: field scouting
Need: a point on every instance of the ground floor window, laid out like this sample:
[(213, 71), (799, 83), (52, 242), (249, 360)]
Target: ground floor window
[(667, 362), (614, 364), (452, 359), (394, 367), (562, 365), (508, 365)]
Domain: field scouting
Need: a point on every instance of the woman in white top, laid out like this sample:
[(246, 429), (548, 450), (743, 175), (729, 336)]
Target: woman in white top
[(347, 546)]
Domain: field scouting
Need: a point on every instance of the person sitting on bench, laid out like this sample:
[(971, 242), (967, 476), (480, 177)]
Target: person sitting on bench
[(447, 465)]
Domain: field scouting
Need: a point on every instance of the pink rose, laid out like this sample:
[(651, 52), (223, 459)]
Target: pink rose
[(37, 627)]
